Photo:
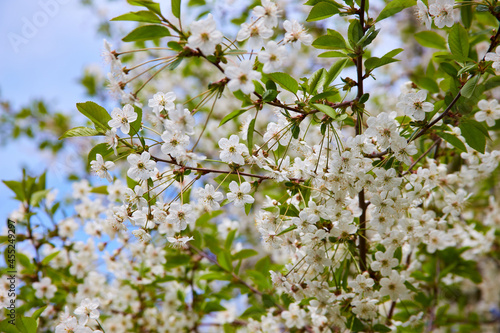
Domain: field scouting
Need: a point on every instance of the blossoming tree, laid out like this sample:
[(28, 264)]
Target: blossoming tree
[(261, 180)]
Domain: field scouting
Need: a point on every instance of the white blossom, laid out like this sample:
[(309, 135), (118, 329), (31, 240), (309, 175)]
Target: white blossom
[(121, 118), (101, 168), (490, 111), (204, 35), (238, 194), (232, 150), (242, 76)]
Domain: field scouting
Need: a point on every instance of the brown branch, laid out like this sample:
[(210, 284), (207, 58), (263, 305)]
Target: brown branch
[(207, 170), (362, 245), (422, 156), (215, 262)]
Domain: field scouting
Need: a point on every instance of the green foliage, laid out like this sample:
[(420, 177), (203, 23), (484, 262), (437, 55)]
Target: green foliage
[(475, 134), (146, 32), (285, 81), (332, 41), (431, 39), (458, 41), (97, 114), (321, 11), (140, 16), (176, 8), (394, 7), (80, 131)]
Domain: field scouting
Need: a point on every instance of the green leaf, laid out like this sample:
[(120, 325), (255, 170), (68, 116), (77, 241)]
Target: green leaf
[(176, 8), (467, 15), (102, 148), (48, 258), (96, 113), (492, 83), (140, 16), (6, 327), (269, 95), (212, 307), (381, 328), (285, 81), (369, 36), (38, 312), (458, 41), (223, 276), (24, 260), (136, 125), (355, 32), (374, 62), (37, 197), (321, 11), (453, 140), (224, 260), (316, 80), (16, 187), (253, 312), (146, 32), (469, 87), (323, 95), (251, 127), (393, 7), (330, 42), (431, 39), (245, 253), (333, 54), (290, 228), (474, 135), (26, 325), (100, 189), (151, 5), (335, 71), (328, 110), (80, 131), (427, 84), (448, 69), (230, 116), (393, 53), (230, 239)]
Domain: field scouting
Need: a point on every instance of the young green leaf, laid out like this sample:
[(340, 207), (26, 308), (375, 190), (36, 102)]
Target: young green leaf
[(230, 116), (136, 125), (250, 135), (245, 253), (285, 81), (224, 260), (458, 41), (335, 71), (474, 135), (354, 33), (140, 16), (431, 39), (469, 87), (316, 80), (453, 140), (176, 8), (96, 113), (146, 32), (80, 131), (330, 42), (151, 5), (321, 11), (333, 54), (328, 110), (393, 7)]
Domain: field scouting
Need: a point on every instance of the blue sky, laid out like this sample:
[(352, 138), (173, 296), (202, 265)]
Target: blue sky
[(44, 46)]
